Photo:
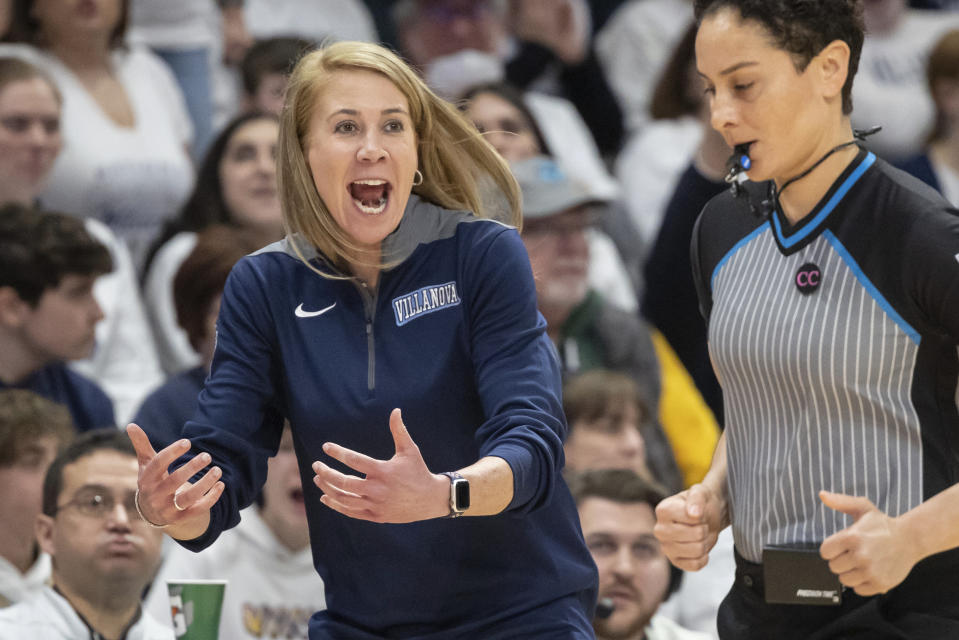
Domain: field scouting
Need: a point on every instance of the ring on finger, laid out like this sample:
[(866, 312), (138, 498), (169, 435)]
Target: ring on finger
[(178, 507)]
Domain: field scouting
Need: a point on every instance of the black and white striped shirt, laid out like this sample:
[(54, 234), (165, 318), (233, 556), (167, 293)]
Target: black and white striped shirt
[(835, 341)]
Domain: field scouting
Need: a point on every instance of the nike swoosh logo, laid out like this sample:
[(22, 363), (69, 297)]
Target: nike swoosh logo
[(300, 313)]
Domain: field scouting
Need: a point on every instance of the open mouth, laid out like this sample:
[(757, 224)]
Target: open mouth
[(296, 495), (370, 196)]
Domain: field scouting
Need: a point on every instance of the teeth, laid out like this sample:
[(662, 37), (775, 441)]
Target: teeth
[(372, 183), (371, 210)]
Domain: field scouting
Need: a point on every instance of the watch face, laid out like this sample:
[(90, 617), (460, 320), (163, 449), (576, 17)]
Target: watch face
[(461, 494)]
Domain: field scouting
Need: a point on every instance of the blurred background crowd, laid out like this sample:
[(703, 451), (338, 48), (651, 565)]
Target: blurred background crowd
[(150, 128)]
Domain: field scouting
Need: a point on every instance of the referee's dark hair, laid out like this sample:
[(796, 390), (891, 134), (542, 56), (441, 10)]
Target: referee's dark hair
[(802, 28), (624, 486)]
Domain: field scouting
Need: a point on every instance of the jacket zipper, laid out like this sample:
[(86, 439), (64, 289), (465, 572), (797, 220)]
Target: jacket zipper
[(369, 307)]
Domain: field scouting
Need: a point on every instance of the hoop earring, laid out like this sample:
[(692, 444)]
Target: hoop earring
[(417, 178)]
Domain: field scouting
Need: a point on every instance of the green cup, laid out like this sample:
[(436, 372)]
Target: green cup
[(196, 606)]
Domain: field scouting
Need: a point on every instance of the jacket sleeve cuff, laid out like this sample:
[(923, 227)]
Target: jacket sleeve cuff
[(526, 475)]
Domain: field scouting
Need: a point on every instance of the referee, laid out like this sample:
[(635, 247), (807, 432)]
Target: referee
[(830, 285)]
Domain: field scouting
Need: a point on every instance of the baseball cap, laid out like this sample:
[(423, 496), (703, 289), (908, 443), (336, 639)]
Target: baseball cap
[(547, 190)]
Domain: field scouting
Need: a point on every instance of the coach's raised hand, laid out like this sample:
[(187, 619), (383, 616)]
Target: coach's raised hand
[(170, 500)]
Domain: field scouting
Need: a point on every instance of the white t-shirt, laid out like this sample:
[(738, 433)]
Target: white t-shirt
[(890, 88), (271, 592), (47, 615), (131, 179)]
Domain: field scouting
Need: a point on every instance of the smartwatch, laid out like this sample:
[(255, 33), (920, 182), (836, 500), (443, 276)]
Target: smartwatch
[(459, 494)]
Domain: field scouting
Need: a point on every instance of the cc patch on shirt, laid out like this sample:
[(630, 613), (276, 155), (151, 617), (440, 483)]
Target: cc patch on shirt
[(423, 301)]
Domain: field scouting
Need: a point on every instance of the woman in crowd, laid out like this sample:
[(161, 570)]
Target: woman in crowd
[(502, 116), (124, 362), (236, 186), (394, 291), (30, 107), (126, 130)]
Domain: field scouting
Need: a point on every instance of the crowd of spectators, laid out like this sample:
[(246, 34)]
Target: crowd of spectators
[(138, 142)]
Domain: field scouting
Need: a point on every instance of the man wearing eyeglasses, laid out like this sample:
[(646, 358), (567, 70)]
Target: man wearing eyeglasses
[(103, 554)]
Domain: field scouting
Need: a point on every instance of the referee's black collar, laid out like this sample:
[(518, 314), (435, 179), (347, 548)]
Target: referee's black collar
[(791, 238)]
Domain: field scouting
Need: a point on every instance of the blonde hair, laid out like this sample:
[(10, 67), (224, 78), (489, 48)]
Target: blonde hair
[(455, 160)]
